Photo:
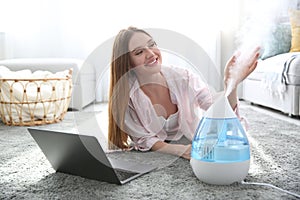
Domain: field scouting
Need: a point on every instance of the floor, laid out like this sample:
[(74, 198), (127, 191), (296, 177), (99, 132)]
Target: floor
[(96, 107), (271, 112)]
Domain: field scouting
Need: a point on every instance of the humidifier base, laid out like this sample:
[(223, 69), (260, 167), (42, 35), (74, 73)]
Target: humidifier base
[(220, 173)]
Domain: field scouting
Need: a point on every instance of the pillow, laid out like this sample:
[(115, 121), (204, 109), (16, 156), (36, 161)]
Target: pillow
[(278, 42), (295, 25)]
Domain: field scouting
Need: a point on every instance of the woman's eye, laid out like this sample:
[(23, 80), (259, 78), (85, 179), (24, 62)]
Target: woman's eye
[(138, 52), (152, 44)]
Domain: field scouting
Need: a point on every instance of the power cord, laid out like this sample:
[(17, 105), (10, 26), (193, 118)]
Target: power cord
[(272, 186)]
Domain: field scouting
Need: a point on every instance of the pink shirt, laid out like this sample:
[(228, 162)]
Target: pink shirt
[(187, 91)]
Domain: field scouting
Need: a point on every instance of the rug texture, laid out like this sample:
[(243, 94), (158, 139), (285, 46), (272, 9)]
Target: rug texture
[(25, 173)]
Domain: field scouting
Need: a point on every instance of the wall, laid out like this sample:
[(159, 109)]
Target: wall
[(2, 45), (65, 28)]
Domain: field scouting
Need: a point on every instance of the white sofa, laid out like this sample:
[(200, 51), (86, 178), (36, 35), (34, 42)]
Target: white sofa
[(275, 83), (84, 79)]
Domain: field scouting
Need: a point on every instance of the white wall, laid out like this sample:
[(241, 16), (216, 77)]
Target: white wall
[(2, 45), (67, 28)]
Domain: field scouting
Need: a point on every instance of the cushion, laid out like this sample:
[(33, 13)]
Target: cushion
[(278, 42), (295, 25)]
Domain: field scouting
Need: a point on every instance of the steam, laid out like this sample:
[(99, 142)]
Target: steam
[(261, 20), (256, 28)]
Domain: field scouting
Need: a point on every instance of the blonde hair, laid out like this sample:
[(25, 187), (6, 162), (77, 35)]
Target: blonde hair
[(119, 88)]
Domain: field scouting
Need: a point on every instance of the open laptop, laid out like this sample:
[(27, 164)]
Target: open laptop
[(82, 155)]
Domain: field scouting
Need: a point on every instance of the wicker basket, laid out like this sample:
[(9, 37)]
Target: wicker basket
[(28, 102)]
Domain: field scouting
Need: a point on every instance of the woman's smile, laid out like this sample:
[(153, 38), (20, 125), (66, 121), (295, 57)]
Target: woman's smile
[(152, 62)]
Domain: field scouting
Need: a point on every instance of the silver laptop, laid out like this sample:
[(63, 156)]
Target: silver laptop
[(83, 156)]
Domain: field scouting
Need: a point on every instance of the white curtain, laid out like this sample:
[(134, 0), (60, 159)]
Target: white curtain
[(74, 29)]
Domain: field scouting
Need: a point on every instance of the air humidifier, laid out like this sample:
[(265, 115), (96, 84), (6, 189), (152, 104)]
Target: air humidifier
[(220, 152)]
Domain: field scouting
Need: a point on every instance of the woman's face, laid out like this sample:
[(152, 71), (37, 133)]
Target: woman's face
[(144, 53)]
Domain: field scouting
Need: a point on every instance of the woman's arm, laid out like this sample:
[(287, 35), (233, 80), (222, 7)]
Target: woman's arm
[(180, 150), (233, 99)]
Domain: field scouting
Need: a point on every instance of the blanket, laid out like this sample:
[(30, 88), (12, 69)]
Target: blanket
[(280, 71)]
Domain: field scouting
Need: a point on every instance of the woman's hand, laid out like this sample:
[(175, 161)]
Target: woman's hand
[(180, 150), (186, 151), (239, 67)]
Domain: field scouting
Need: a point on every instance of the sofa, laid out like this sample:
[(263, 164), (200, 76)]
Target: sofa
[(275, 83), (83, 77)]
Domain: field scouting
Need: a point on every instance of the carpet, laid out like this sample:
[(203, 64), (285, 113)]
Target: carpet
[(26, 174)]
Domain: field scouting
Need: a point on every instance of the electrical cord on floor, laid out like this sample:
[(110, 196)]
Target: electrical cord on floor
[(272, 186)]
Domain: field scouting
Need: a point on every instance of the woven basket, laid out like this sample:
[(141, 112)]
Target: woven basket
[(28, 102)]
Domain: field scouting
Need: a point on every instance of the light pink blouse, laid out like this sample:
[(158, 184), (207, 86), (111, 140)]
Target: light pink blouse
[(187, 91)]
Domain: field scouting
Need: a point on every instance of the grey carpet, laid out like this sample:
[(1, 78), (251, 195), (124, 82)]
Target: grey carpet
[(26, 174)]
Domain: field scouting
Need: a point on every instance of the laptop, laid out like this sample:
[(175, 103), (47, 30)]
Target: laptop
[(82, 155)]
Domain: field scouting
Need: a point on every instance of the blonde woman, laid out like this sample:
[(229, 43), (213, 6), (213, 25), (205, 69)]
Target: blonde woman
[(152, 105)]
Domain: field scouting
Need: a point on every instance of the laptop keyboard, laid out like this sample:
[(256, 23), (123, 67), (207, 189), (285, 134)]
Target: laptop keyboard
[(123, 175)]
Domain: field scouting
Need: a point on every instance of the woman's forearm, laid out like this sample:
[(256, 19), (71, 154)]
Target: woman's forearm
[(174, 149), (233, 99)]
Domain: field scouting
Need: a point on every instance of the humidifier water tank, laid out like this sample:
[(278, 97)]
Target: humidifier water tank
[(220, 152)]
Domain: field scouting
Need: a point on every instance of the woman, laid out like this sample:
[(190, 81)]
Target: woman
[(153, 104)]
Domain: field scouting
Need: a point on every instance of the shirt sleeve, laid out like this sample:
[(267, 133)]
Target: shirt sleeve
[(242, 119), (142, 139), (199, 90)]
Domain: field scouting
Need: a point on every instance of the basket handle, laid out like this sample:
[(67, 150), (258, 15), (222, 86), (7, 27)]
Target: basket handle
[(70, 73)]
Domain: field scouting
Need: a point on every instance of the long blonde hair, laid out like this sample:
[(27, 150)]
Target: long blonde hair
[(119, 88)]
